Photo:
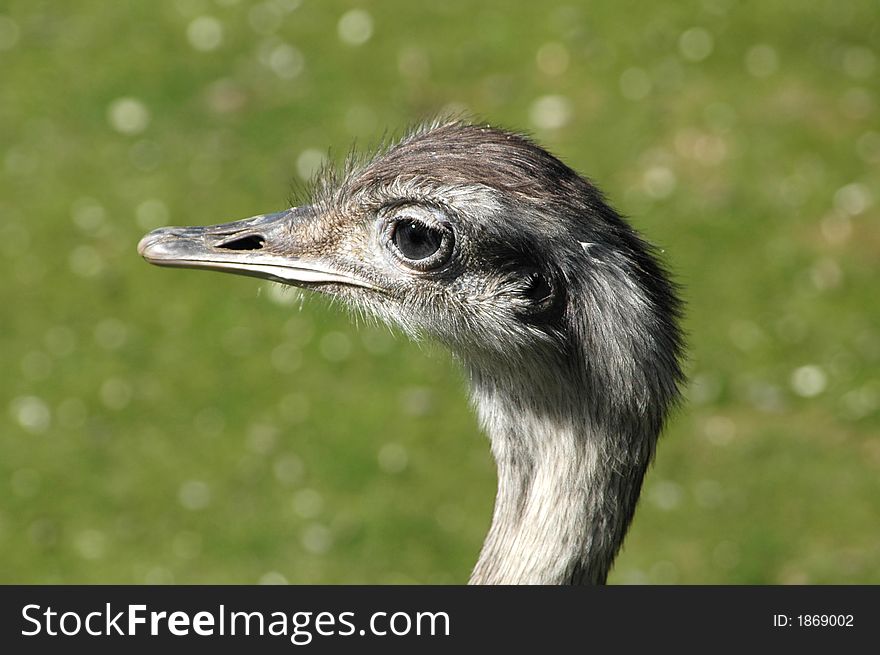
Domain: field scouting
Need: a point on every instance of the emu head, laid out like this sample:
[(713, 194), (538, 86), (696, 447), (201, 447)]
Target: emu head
[(484, 241)]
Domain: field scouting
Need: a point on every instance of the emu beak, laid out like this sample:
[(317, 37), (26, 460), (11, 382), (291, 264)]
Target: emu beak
[(267, 246)]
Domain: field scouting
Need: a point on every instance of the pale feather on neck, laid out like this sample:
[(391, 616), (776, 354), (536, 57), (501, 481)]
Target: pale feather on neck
[(556, 504)]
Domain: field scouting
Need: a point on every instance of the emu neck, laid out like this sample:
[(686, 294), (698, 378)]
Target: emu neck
[(567, 489)]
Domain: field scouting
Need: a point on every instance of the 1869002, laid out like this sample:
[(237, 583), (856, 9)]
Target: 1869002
[(825, 620)]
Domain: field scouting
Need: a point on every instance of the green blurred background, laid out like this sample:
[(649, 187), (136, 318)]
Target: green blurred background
[(170, 426)]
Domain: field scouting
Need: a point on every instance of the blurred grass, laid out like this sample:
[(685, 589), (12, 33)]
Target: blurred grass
[(164, 426)]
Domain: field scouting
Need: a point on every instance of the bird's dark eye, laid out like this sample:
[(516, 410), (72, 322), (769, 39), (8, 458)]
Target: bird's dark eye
[(416, 240), (419, 245)]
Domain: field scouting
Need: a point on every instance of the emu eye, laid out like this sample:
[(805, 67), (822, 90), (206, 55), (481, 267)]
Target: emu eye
[(415, 240), (417, 244)]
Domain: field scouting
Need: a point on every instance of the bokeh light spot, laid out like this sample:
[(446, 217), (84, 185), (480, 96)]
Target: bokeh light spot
[(355, 27), (635, 84), (550, 112), (762, 60), (194, 495), (393, 458), (205, 33), (336, 346), (307, 503), (696, 44), (128, 116), (552, 58), (31, 413), (310, 162), (808, 381)]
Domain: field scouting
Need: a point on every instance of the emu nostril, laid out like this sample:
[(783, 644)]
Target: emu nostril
[(250, 242)]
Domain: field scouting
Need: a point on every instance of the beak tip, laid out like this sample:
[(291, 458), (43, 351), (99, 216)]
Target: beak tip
[(143, 246), (150, 247)]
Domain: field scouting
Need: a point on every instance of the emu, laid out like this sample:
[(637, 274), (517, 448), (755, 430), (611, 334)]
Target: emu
[(561, 315)]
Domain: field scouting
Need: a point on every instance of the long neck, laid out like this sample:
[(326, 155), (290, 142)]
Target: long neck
[(567, 488)]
